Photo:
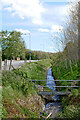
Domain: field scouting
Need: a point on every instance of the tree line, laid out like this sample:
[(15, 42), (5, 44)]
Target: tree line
[(13, 46)]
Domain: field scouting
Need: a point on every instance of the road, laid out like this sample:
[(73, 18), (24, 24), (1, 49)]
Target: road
[(16, 63)]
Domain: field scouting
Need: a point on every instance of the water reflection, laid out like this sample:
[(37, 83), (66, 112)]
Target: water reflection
[(51, 84)]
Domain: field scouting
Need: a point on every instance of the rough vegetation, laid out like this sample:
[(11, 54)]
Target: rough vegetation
[(66, 64), (71, 106), (20, 97)]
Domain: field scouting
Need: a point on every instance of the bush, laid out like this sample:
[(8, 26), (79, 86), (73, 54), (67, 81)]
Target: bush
[(16, 90), (20, 72), (9, 78)]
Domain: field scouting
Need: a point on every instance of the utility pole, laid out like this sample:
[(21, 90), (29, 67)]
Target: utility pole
[(29, 46)]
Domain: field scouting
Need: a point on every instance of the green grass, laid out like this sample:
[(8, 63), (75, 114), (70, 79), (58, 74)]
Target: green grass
[(71, 105), (20, 97), (34, 71), (13, 104), (0, 102), (62, 73), (70, 112), (66, 74)]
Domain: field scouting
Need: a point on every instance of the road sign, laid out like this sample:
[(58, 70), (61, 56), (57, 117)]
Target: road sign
[(29, 52)]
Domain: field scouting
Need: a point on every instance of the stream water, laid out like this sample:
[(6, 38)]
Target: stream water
[(55, 106)]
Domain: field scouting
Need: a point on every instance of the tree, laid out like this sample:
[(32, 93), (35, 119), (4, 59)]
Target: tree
[(79, 32), (12, 45), (69, 37)]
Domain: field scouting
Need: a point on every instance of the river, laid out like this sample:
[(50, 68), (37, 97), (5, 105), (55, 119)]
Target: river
[(55, 106)]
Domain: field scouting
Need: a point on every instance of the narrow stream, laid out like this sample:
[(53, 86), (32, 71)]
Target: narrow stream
[(55, 106)]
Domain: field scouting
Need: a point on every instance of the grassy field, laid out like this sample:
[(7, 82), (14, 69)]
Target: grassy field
[(71, 105), (20, 97), (63, 73), (36, 70)]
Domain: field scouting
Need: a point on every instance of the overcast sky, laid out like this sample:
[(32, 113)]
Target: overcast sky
[(38, 18)]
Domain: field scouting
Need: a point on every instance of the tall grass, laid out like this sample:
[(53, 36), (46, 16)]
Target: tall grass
[(20, 97)]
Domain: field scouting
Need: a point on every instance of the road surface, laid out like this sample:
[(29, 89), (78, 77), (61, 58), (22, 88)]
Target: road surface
[(16, 63)]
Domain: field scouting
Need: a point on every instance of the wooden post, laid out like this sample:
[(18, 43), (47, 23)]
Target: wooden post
[(5, 64)]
